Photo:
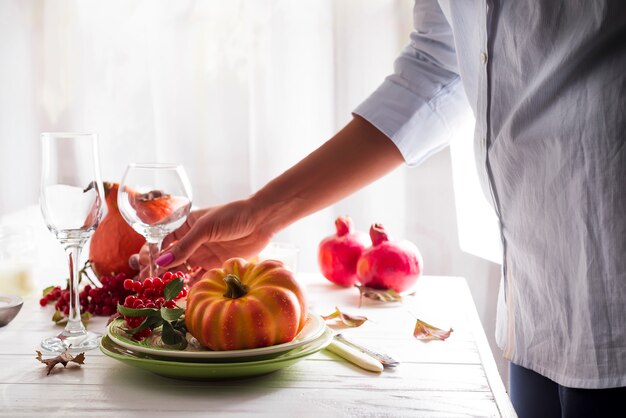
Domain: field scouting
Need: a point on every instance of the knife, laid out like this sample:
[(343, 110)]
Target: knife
[(355, 356), (384, 359)]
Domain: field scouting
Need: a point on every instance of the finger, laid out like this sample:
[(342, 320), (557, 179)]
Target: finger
[(133, 262), (178, 253), (144, 273), (201, 259), (144, 255), (195, 276), (169, 240)]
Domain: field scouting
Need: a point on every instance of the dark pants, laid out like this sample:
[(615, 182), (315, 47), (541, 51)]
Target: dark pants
[(534, 395)]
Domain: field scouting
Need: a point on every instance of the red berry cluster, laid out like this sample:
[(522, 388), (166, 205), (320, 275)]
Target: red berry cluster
[(97, 301), (149, 294)]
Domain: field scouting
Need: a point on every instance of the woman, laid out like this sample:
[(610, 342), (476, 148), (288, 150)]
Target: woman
[(547, 84)]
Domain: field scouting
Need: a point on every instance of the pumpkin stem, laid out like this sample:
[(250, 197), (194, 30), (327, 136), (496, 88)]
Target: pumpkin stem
[(235, 288)]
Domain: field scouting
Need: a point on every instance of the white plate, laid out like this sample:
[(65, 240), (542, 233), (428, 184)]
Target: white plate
[(313, 328)]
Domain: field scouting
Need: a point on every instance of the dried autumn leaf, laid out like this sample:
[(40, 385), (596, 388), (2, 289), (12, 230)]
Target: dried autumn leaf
[(351, 321), (381, 295), (63, 358), (426, 332)]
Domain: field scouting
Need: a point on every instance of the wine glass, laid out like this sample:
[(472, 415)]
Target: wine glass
[(155, 200), (71, 200)]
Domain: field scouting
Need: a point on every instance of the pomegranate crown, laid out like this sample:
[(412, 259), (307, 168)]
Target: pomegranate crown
[(378, 234), (343, 224)]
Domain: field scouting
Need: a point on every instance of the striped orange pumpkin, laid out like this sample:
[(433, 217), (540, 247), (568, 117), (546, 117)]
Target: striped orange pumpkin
[(246, 305)]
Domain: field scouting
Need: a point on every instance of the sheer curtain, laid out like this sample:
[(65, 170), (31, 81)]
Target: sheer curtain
[(237, 91)]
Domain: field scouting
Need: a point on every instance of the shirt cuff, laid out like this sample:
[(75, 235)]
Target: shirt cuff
[(419, 128)]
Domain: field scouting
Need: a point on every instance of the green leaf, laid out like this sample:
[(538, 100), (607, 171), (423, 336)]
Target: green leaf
[(171, 314), (172, 337), (168, 335), (123, 310), (150, 322), (47, 290), (172, 289), (59, 319), (180, 325)]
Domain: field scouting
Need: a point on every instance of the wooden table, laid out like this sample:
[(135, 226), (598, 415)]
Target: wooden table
[(457, 377)]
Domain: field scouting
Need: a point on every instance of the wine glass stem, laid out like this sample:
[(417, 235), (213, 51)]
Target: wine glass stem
[(154, 247), (74, 323)]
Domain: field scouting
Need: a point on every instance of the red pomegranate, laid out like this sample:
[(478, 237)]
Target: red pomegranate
[(389, 264), (338, 254), (114, 241)]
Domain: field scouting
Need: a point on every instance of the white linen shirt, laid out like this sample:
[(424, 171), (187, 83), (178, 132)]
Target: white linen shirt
[(546, 81)]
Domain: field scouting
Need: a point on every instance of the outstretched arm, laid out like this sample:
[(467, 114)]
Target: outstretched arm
[(356, 156)]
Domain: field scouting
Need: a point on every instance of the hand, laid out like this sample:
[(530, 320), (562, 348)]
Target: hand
[(141, 261), (211, 236), (353, 158)]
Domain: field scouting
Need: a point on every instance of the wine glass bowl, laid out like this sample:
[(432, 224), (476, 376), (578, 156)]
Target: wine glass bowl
[(71, 201), (155, 200)]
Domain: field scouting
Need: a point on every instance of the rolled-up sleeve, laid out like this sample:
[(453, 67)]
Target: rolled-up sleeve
[(417, 104)]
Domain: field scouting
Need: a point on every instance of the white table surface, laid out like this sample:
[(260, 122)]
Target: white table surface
[(457, 377)]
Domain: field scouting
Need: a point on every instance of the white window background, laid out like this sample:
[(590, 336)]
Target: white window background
[(237, 91)]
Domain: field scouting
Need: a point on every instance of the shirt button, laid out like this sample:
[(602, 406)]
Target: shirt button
[(483, 58)]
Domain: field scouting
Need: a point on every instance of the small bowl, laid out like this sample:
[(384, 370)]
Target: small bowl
[(10, 305)]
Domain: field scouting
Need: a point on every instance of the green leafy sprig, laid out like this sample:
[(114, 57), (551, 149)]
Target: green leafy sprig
[(171, 321)]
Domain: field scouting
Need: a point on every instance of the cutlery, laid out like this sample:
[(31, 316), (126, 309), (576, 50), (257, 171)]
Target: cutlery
[(355, 356), (385, 359)]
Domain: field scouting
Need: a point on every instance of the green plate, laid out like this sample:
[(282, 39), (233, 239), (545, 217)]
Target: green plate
[(313, 329), (198, 370)]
